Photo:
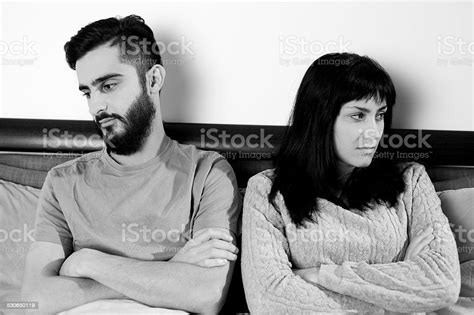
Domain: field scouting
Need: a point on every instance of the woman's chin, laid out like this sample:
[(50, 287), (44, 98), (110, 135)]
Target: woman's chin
[(364, 162)]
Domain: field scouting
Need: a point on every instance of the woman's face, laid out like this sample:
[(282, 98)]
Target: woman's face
[(357, 131)]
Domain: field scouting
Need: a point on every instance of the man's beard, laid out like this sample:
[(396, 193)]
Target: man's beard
[(137, 126)]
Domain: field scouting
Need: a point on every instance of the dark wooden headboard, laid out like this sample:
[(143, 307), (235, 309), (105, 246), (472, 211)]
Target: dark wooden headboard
[(248, 148)]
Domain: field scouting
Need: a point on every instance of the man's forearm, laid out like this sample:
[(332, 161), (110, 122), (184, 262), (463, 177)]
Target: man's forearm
[(161, 284), (57, 293)]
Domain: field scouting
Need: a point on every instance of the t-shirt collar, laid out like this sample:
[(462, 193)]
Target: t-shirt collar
[(163, 153)]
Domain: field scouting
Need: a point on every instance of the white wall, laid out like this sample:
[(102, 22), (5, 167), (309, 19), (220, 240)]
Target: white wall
[(242, 64)]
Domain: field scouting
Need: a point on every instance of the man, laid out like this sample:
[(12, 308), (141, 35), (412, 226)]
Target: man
[(145, 219)]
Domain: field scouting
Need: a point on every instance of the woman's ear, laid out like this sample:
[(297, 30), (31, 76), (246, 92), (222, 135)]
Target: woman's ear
[(155, 78)]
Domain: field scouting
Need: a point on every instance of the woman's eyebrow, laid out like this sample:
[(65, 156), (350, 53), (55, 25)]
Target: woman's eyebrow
[(366, 110), (362, 109)]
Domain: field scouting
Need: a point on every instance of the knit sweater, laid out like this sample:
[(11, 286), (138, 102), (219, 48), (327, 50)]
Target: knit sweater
[(360, 254)]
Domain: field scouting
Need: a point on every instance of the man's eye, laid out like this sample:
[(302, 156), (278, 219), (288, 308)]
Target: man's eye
[(358, 116), (380, 116), (86, 94), (109, 86)]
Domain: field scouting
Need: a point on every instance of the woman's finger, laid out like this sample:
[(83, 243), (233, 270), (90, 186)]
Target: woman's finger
[(419, 246), (423, 244)]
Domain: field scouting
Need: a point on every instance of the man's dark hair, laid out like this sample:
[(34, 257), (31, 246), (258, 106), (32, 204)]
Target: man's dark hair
[(306, 163), (135, 40)]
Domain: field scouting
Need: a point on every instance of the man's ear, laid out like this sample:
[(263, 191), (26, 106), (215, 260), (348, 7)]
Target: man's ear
[(155, 78)]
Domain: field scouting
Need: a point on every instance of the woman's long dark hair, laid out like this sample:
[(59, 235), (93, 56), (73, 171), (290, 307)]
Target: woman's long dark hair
[(305, 167)]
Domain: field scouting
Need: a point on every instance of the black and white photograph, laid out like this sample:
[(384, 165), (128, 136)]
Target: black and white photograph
[(237, 157)]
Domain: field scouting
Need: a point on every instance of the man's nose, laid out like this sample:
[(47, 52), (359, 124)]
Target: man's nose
[(97, 103)]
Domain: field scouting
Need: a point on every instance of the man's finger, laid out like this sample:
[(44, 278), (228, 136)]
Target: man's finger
[(209, 263), (211, 234), (220, 244), (213, 253)]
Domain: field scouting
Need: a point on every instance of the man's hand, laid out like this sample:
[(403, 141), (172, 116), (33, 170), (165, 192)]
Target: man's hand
[(419, 243), (212, 248), (74, 265), (308, 274)]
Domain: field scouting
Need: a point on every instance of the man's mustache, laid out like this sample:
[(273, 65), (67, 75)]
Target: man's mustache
[(104, 115)]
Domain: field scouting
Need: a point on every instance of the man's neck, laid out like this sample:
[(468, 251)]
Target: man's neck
[(149, 150)]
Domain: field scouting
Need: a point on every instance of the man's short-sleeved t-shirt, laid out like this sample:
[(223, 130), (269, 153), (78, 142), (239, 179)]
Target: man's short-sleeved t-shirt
[(146, 211)]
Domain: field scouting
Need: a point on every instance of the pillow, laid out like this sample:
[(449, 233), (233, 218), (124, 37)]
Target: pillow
[(30, 169), (458, 183), (17, 218), (467, 279), (458, 206), (22, 176), (38, 162)]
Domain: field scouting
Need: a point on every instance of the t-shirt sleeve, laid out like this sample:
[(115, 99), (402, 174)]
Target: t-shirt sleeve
[(220, 205), (50, 224)]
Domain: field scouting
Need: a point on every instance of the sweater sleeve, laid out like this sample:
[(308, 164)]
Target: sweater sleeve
[(428, 282), (269, 282)]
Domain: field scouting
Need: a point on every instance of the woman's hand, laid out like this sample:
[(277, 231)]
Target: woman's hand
[(308, 274), (419, 243)]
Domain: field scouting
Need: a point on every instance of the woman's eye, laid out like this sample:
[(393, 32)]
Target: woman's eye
[(86, 94), (380, 116), (358, 116)]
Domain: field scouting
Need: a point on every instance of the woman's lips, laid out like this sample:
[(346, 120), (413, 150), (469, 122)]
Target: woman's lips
[(367, 149)]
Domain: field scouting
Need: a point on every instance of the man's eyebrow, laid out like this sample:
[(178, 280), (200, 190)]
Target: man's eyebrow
[(99, 80)]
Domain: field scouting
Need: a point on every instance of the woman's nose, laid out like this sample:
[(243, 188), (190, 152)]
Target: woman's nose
[(370, 136)]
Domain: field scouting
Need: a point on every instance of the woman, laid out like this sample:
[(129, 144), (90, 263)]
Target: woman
[(331, 230)]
